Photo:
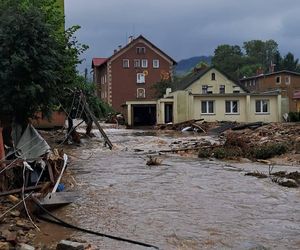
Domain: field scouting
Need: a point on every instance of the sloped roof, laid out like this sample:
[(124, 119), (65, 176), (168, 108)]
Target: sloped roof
[(99, 61), (191, 78), (270, 74), (96, 62)]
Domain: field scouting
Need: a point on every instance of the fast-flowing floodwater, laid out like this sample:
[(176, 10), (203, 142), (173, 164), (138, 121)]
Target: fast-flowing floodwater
[(186, 203)]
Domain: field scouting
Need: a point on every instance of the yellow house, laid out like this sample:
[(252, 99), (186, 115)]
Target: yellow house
[(211, 95)]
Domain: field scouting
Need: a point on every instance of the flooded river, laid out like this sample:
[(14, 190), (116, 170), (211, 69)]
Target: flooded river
[(186, 203)]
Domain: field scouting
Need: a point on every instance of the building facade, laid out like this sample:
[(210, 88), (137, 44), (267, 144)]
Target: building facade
[(211, 95), (129, 74), (287, 82)]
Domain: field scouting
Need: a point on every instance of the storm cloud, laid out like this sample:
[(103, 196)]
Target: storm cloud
[(183, 28)]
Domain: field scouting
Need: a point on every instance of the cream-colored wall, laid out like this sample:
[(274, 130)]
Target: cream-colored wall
[(274, 114), (196, 87), (160, 112), (219, 109), (181, 106)]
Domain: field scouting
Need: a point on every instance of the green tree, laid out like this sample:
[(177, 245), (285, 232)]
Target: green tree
[(260, 52), (229, 59), (37, 58), (289, 62)]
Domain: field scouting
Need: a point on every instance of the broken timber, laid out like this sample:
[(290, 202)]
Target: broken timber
[(87, 108)]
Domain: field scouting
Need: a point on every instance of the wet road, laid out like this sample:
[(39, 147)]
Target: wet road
[(187, 203)]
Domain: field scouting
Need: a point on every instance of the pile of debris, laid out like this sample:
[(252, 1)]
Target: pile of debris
[(191, 125), (29, 170)]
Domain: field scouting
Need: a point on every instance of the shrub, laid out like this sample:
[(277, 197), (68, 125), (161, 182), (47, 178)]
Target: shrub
[(204, 153), (294, 116), (268, 150), (227, 152)]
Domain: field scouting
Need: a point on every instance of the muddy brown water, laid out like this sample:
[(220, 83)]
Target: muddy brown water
[(187, 203)]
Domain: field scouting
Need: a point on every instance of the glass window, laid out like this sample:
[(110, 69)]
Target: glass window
[(140, 50), (204, 89), (262, 106), (213, 76), (137, 63), (278, 79), (222, 89), (231, 107), (207, 107), (125, 63), (140, 78), (144, 63), (155, 64), (287, 80)]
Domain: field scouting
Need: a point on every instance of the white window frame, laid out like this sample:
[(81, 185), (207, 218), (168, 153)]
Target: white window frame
[(231, 104), (262, 102), (144, 63), (138, 91), (137, 63), (125, 63), (155, 63), (140, 78), (207, 103)]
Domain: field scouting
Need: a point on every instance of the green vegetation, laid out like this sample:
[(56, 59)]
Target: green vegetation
[(294, 116), (37, 58), (268, 151), (254, 55)]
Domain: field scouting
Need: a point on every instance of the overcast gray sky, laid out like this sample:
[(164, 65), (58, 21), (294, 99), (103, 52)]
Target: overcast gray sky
[(184, 28)]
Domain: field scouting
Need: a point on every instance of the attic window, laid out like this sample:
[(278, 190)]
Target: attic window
[(213, 76), (204, 89), (140, 50), (278, 79), (222, 89)]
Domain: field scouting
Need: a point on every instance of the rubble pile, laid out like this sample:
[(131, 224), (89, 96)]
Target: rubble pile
[(261, 142)]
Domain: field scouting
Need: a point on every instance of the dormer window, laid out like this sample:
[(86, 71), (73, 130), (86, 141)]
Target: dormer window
[(213, 76)]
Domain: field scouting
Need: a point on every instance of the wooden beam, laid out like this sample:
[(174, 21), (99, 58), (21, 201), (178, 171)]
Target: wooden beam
[(19, 190)]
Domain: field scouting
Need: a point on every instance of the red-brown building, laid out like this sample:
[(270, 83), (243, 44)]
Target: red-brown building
[(130, 73), (288, 82)]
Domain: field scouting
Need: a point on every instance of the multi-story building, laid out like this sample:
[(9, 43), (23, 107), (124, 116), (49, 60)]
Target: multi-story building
[(130, 73), (287, 82)]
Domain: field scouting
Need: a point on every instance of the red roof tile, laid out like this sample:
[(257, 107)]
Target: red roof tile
[(98, 61)]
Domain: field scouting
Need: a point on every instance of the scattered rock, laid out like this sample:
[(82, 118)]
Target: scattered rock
[(70, 245)]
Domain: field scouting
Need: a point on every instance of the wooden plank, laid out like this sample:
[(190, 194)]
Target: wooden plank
[(19, 190), (106, 139), (59, 199), (50, 171)]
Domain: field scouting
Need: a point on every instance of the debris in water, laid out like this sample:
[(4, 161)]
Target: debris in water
[(153, 161), (257, 174)]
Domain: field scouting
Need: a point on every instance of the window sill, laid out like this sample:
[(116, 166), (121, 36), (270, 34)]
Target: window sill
[(262, 113), (232, 113), (208, 113)]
